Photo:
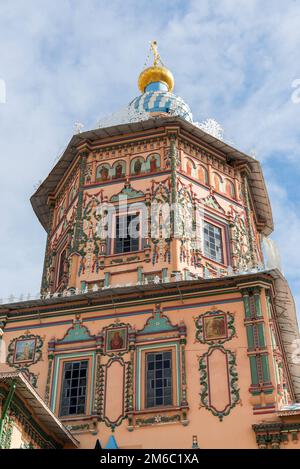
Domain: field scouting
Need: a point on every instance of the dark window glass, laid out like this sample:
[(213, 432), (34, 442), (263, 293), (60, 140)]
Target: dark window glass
[(127, 233), (213, 242), (158, 379), (73, 393)]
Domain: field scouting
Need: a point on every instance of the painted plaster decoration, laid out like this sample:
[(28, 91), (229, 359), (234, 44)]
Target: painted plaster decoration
[(157, 420), (137, 166), (211, 202), (119, 169), (23, 352), (158, 322), (92, 241), (190, 167), (116, 339), (241, 249), (114, 375), (153, 162), (77, 332), (215, 326), (103, 172), (185, 222), (160, 231), (218, 380), (127, 191), (88, 174), (202, 174)]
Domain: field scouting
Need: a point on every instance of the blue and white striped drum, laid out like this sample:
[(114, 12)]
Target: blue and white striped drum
[(161, 102)]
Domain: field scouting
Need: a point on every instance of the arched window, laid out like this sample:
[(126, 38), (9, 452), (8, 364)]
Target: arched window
[(153, 162), (60, 211), (190, 167), (137, 165), (119, 169), (61, 266), (103, 172), (72, 192), (229, 188), (218, 183), (203, 174)]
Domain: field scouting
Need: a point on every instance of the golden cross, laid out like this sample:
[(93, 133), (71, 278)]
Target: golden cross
[(156, 56)]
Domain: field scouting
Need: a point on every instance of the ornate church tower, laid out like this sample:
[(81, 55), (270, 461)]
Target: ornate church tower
[(156, 307), (197, 212)]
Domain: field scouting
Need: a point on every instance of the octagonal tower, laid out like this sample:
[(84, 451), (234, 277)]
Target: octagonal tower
[(211, 202)]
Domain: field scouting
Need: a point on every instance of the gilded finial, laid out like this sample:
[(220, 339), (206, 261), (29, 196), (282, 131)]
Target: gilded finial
[(156, 56), (156, 73)]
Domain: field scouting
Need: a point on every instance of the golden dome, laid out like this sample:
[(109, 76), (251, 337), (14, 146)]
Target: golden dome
[(156, 73)]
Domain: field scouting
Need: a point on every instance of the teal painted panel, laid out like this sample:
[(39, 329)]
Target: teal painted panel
[(76, 333), (158, 323)]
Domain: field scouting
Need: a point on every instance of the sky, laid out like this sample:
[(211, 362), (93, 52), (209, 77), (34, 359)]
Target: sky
[(71, 61)]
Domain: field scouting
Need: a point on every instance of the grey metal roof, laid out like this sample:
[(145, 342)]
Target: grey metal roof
[(41, 410), (259, 191)]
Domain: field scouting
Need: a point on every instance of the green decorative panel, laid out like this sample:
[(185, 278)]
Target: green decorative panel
[(265, 367), (211, 384), (247, 305), (261, 335), (250, 336), (76, 333), (158, 323), (253, 368)]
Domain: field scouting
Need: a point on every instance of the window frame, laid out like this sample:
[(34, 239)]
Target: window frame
[(134, 213), (141, 385), (56, 388), (223, 256), (83, 360), (155, 397)]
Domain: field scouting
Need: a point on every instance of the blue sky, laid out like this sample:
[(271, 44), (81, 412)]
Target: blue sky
[(71, 61)]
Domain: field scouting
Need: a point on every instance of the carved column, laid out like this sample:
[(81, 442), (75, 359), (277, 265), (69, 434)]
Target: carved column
[(99, 383), (130, 403), (45, 286), (49, 375), (249, 221)]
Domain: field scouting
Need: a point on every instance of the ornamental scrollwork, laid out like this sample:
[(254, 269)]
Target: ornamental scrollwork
[(215, 326), (23, 352), (205, 374)]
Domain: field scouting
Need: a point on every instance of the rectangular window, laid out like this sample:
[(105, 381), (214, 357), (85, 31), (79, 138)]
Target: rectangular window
[(74, 388), (213, 242), (159, 379), (127, 233)]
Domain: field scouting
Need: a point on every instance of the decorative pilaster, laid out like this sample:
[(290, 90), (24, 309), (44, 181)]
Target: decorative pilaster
[(49, 375), (257, 347), (78, 225), (182, 331), (46, 276), (249, 222), (130, 381), (99, 379)]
